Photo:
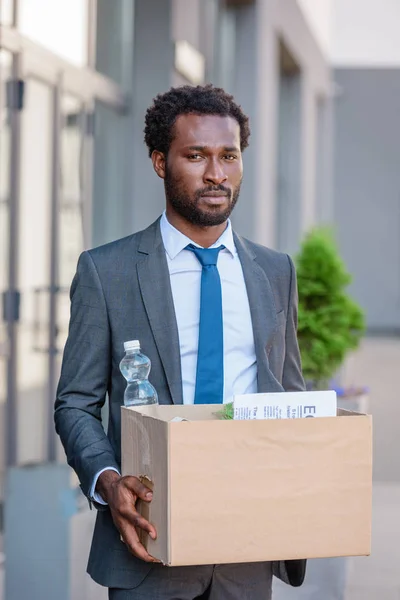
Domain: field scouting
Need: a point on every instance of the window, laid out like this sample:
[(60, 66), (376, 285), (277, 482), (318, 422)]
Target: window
[(61, 26), (6, 12), (5, 152)]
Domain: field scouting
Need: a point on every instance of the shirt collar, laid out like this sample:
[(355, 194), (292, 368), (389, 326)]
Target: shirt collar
[(175, 241)]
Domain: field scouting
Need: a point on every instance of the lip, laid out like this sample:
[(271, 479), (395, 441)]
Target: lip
[(214, 195), (215, 198)]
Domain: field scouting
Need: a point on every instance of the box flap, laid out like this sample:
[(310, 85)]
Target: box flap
[(344, 412), (167, 412), (144, 453)]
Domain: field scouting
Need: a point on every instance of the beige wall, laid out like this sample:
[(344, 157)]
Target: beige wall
[(355, 32), (275, 20), (319, 17), (185, 12), (366, 33)]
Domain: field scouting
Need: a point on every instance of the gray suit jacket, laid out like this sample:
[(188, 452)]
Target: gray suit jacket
[(122, 291)]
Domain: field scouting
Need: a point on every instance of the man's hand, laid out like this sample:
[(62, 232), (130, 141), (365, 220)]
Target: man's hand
[(121, 494)]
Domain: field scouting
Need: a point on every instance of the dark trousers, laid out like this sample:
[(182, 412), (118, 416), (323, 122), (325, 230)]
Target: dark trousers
[(250, 581)]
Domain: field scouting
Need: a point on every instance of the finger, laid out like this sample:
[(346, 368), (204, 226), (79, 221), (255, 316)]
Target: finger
[(140, 552), (138, 488), (131, 539), (135, 519), (140, 522)]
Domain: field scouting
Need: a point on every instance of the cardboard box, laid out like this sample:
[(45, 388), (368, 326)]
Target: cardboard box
[(257, 490)]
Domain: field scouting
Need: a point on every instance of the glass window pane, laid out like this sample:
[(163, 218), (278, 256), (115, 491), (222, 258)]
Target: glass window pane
[(114, 36), (61, 26), (34, 270), (6, 12), (5, 154), (70, 217), (71, 207)]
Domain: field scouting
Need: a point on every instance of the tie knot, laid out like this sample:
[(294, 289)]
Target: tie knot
[(206, 256)]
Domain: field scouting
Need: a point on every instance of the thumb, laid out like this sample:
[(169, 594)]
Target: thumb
[(142, 491)]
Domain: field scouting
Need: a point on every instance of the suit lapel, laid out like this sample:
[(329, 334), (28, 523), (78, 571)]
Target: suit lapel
[(263, 313), (155, 287)]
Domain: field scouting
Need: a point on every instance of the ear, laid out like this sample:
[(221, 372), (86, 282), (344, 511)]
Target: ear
[(158, 159)]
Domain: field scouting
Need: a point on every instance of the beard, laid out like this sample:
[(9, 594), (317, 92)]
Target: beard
[(189, 207)]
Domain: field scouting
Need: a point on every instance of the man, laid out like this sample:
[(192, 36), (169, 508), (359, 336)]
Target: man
[(216, 314)]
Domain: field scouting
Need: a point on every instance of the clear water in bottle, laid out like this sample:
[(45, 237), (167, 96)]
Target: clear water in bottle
[(135, 367)]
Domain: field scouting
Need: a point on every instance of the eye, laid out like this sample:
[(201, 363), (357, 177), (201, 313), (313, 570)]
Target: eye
[(230, 157), (194, 156)]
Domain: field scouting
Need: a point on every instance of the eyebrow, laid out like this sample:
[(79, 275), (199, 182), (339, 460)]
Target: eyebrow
[(226, 148)]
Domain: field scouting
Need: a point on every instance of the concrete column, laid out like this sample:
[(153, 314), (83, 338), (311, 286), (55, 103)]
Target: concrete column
[(152, 74), (242, 73), (113, 141), (325, 156), (308, 156), (265, 162), (289, 170)]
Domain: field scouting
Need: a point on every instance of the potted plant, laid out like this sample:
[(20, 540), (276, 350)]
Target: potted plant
[(330, 326)]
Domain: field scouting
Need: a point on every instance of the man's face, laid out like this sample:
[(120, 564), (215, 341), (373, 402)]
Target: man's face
[(204, 168)]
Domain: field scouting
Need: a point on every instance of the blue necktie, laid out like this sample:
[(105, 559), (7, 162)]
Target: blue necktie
[(210, 354)]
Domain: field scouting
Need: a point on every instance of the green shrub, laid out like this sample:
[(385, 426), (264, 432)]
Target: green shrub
[(331, 324)]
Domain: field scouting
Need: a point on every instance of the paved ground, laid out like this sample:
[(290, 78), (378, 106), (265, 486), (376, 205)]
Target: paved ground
[(377, 577), (378, 366)]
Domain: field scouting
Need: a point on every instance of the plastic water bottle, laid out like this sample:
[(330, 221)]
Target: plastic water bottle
[(135, 367)]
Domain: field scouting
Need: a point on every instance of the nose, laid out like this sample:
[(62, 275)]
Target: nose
[(214, 173)]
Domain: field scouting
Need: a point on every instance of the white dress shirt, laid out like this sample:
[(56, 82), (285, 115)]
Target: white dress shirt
[(240, 366)]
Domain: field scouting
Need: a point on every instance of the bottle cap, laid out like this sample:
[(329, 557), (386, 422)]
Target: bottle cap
[(132, 345)]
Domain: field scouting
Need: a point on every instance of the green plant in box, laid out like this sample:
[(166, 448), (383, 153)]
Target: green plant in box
[(226, 412), (331, 324)]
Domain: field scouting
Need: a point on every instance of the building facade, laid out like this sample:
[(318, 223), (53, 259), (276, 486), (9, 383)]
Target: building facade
[(76, 78), (366, 68), (359, 39)]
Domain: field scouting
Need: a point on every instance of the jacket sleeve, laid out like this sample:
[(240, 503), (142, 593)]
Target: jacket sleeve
[(85, 376), (292, 572)]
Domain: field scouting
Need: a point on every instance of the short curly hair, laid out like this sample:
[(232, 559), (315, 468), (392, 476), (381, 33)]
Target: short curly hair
[(202, 100)]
